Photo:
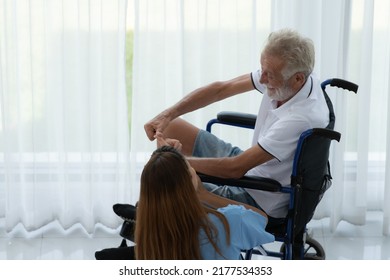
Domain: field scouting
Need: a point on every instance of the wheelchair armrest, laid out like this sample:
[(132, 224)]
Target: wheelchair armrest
[(249, 182), (237, 118)]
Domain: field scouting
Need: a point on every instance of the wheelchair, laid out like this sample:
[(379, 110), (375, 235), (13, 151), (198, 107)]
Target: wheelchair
[(310, 179)]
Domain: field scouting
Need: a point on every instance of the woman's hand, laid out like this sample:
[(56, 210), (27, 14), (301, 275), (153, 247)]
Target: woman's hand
[(161, 141)]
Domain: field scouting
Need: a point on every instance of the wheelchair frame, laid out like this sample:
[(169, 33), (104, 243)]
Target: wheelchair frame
[(293, 237)]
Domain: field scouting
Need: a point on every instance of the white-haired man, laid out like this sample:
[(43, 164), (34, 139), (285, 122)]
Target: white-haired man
[(293, 102)]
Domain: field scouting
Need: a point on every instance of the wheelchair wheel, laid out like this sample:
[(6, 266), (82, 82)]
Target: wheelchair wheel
[(312, 250)]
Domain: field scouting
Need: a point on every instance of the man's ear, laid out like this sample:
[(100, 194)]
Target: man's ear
[(299, 79)]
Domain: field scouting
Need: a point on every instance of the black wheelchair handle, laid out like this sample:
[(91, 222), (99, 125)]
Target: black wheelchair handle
[(327, 133), (340, 83)]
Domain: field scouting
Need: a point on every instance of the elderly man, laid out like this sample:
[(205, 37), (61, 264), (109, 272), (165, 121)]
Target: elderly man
[(292, 103)]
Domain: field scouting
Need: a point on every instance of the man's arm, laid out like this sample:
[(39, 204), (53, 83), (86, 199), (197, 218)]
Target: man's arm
[(197, 99), (231, 167)]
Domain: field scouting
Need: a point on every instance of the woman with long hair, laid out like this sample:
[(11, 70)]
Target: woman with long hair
[(173, 223)]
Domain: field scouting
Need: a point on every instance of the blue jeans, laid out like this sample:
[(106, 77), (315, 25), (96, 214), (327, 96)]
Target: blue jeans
[(208, 145)]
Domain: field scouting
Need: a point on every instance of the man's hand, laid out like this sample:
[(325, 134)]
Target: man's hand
[(157, 125)]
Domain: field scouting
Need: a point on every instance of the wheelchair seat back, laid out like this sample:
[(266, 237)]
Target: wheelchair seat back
[(311, 171)]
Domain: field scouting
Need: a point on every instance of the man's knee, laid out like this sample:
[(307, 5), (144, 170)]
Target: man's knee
[(183, 131)]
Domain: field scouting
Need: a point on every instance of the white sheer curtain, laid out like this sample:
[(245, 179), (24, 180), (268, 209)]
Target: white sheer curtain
[(64, 136), (182, 45)]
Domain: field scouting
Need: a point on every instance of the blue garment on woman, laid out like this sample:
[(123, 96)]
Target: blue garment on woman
[(247, 230)]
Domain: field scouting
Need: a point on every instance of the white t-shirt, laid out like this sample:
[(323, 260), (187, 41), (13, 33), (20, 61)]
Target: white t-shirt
[(277, 131)]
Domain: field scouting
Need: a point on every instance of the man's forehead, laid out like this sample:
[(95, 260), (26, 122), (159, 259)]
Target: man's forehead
[(271, 63)]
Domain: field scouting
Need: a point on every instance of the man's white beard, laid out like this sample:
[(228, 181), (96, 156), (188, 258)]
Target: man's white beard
[(281, 94)]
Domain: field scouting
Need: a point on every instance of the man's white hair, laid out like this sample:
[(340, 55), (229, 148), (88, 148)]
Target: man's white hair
[(297, 51)]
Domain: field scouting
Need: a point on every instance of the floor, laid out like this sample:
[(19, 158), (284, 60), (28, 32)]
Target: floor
[(348, 242)]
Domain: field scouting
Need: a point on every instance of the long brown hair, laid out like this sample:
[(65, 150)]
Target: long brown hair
[(170, 215)]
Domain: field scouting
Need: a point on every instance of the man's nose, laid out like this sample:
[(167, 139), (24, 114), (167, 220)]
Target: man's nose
[(263, 78)]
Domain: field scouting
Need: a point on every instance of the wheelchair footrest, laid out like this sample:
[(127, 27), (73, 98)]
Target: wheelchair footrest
[(127, 230)]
